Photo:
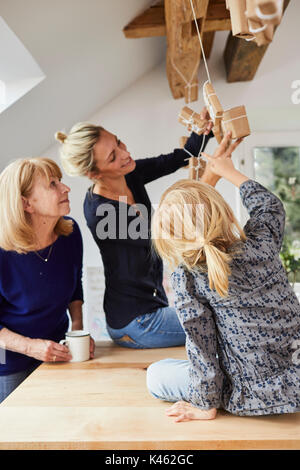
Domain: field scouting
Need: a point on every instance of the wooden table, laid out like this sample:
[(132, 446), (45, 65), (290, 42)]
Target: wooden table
[(104, 404)]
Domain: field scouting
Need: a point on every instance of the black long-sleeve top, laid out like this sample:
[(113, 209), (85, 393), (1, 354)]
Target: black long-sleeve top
[(133, 271)]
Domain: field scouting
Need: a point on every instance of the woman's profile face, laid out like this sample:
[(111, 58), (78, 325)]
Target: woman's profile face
[(48, 198), (111, 157)]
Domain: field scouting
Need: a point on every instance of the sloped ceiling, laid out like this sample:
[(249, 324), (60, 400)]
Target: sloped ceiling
[(87, 61)]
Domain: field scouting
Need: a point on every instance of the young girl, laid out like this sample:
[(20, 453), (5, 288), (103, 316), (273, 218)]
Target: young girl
[(233, 299)]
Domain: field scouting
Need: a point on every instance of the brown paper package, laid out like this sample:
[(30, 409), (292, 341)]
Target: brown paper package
[(193, 163), (236, 121), (239, 22), (213, 99), (270, 7), (196, 124)]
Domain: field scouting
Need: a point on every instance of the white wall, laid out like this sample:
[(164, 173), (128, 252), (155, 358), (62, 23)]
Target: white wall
[(80, 46), (145, 114)]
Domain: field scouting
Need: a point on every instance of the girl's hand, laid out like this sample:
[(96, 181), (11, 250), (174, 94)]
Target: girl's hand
[(205, 115), (220, 163), (185, 411), (47, 351)]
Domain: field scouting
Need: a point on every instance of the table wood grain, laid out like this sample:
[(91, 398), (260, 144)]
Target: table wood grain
[(104, 404)]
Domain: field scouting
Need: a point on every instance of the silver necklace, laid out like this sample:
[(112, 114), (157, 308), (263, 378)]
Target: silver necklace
[(49, 253)]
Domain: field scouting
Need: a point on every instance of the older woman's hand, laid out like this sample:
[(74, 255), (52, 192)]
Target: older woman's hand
[(92, 348), (185, 411), (48, 351)]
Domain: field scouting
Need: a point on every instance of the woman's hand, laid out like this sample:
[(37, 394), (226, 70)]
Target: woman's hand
[(47, 351), (205, 115), (220, 163), (185, 411)]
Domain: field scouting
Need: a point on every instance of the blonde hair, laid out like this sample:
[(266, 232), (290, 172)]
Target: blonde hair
[(17, 181), (195, 227), (77, 148)]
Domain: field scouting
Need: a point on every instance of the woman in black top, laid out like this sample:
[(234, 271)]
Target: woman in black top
[(118, 213)]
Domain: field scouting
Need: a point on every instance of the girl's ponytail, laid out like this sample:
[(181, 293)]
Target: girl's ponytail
[(194, 227), (217, 263)]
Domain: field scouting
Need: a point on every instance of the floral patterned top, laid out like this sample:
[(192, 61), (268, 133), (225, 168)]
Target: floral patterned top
[(244, 349)]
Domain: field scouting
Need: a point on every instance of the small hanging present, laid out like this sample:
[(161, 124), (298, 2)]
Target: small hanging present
[(196, 168), (236, 121), (212, 102), (269, 11), (191, 92), (262, 31), (214, 108), (192, 120), (239, 21), (263, 34)]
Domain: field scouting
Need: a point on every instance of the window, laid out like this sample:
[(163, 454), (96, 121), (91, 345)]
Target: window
[(19, 72), (274, 161), (278, 169)]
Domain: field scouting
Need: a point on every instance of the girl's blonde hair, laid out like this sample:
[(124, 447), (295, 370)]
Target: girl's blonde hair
[(77, 148), (195, 227), (17, 181)]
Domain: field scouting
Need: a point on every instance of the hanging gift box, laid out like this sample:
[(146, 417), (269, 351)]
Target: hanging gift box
[(236, 121), (212, 102), (214, 108), (191, 92), (263, 34), (196, 168), (250, 12), (192, 120), (262, 31), (269, 11), (239, 22)]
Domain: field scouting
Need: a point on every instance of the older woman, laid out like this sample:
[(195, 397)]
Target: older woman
[(40, 269), (118, 210)]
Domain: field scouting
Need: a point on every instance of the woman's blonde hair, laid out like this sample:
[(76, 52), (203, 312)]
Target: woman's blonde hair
[(77, 148), (16, 182), (195, 227)]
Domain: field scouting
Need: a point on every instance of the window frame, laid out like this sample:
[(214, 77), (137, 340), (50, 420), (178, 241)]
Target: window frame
[(244, 157)]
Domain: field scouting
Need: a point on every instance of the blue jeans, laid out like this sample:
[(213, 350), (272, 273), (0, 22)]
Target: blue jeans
[(160, 329), (8, 383), (168, 379)]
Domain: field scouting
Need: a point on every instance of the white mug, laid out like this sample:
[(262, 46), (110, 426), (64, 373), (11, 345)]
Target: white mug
[(78, 342)]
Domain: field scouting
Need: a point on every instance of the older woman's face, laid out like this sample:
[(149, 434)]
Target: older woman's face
[(48, 198), (111, 157)]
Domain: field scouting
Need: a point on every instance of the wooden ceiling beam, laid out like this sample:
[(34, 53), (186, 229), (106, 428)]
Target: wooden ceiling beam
[(242, 58), (183, 48), (152, 21)]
